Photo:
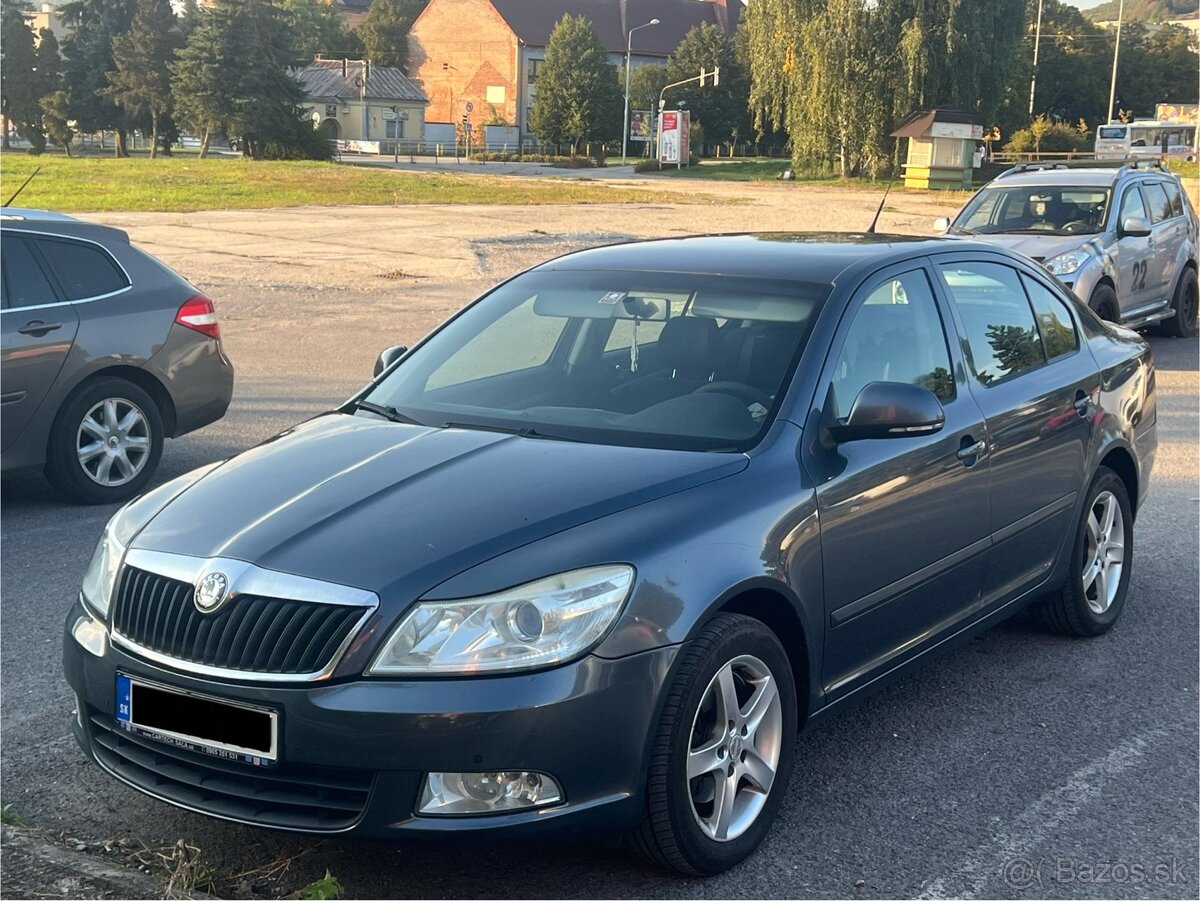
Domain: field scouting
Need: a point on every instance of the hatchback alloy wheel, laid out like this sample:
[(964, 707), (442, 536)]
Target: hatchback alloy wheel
[(113, 442), (1105, 556), (735, 748), (723, 753)]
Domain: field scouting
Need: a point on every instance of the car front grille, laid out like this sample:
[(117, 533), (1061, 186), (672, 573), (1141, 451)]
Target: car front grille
[(287, 796), (250, 634)]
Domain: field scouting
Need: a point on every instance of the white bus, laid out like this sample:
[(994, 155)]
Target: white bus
[(1121, 140)]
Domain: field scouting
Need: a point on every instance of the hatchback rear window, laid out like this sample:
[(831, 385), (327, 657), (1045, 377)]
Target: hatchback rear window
[(83, 270)]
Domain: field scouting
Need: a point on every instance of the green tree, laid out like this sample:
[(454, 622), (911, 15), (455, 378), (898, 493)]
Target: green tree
[(20, 81), (578, 95), (88, 58), (56, 119), (141, 81), (645, 83), (724, 109), (319, 30), (385, 30), (1156, 67), (257, 47), (838, 75), (202, 79)]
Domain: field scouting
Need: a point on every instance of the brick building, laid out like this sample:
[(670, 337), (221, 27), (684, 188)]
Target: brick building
[(486, 52)]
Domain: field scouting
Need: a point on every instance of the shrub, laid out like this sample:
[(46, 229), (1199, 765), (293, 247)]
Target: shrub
[(1056, 137)]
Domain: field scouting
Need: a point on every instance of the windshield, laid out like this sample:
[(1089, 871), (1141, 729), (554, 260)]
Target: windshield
[(676, 360), (1041, 209)]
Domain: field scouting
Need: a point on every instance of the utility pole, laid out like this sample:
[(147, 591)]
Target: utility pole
[(1112, 91), (1037, 42), (628, 51)]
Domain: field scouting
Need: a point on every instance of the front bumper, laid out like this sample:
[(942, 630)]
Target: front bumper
[(353, 754)]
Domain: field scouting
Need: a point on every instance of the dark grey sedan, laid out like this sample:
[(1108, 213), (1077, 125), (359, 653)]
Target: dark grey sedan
[(586, 558), (106, 353)]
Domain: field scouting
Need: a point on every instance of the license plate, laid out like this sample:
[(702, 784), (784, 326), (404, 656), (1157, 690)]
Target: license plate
[(197, 722)]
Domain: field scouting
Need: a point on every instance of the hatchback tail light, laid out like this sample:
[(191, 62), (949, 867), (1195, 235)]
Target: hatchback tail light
[(198, 314)]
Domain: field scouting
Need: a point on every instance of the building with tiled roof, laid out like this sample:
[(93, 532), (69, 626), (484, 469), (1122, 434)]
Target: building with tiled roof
[(353, 100), (480, 57)]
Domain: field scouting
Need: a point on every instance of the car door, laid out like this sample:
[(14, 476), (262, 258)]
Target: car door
[(1038, 388), (904, 520), (37, 331), (1134, 254), (1168, 234)]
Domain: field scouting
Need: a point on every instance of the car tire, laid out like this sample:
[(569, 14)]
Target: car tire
[(1091, 601), (105, 442), (1104, 303), (1186, 303), (683, 829)]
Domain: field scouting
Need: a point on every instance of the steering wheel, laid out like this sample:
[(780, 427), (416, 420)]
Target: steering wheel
[(747, 393), (1075, 227)]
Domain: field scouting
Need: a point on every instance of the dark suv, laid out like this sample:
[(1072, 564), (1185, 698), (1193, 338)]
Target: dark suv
[(106, 352)]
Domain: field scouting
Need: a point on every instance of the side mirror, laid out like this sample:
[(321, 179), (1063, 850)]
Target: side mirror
[(890, 410), (941, 224), (1135, 227), (388, 357)]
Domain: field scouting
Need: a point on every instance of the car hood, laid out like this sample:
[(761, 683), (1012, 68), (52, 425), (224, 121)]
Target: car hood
[(396, 509), (1036, 247)]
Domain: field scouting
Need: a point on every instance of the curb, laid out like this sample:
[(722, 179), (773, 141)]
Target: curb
[(35, 867)]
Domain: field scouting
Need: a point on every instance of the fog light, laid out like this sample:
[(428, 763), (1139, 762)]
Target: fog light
[(446, 794), (91, 635)]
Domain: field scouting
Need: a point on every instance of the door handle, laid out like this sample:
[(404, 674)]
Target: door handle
[(969, 451), (37, 328), (1083, 404)]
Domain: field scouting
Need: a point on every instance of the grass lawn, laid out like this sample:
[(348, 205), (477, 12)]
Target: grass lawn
[(183, 184)]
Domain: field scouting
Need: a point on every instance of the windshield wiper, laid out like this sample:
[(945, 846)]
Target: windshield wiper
[(385, 410), (523, 432)]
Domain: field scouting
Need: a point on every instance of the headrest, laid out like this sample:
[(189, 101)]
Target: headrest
[(688, 344)]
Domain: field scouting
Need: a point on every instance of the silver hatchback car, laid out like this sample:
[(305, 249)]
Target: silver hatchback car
[(105, 353), (1124, 239)]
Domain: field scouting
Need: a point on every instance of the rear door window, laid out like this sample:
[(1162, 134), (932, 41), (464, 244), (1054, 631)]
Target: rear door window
[(83, 270), (1157, 200), (1001, 333), (25, 285), (1173, 196)]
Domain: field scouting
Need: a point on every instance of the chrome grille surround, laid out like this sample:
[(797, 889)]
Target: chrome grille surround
[(244, 579)]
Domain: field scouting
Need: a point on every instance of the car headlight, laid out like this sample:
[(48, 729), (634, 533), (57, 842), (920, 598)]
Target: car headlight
[(537, 624), (101, 577), (1066, 263)]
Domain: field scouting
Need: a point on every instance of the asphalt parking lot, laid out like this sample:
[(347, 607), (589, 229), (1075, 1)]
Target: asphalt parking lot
[(1020, 765)]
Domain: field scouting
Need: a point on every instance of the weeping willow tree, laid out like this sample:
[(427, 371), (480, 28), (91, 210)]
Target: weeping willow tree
[(837, 75)]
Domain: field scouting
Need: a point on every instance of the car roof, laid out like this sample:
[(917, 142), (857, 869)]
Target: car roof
[(19, 213), (792, 256), (59, 224), (1081, 176)]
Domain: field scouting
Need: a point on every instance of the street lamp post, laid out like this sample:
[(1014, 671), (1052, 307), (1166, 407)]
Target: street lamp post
[(1112, 91), (625, 125)]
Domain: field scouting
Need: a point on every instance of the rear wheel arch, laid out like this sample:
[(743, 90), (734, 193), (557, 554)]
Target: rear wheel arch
[(1121, 461), (144, 380)]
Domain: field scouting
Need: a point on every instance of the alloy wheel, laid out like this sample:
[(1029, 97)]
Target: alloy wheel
[(1104, 559), (733, 755), (113, 442)]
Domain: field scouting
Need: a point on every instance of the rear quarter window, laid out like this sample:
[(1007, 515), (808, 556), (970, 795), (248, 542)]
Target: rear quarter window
[(83, 270)]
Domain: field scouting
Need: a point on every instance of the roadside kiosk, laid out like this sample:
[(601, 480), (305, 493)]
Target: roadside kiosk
[(941, 148)]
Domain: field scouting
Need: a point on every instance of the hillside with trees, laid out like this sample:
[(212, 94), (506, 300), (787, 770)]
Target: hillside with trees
[(1144, 10)]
